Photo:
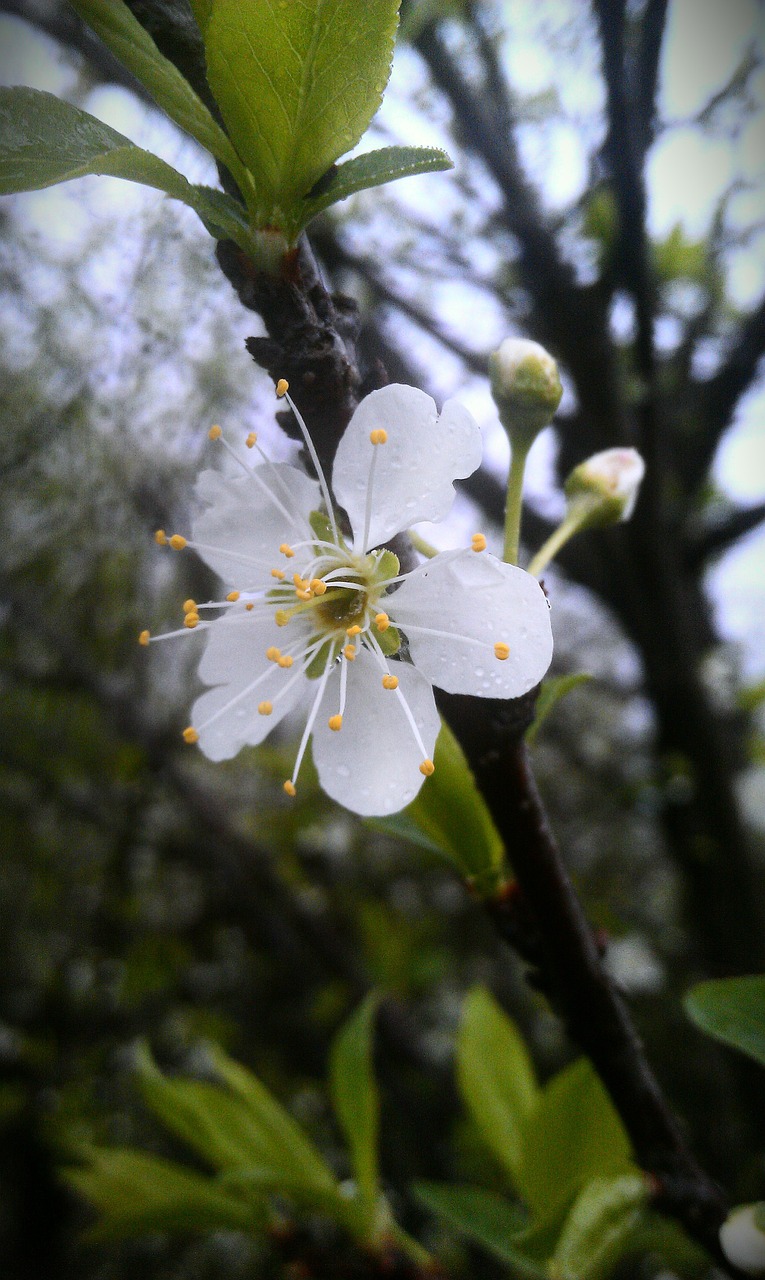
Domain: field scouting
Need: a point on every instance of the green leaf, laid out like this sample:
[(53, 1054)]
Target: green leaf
[(573, 1135), (356, 1099), (239, 1130), (372, 170), (137, 1193), (600, 1227), (121, 32), (551, 693), (451, 812), (46, 141), (732, 1010), (496, 1078), (297, 85), (288, 1146), (486, 1218)]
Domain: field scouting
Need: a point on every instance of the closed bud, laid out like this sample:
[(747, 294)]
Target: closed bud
[(604, 489), (742, 1238), (526, 388)]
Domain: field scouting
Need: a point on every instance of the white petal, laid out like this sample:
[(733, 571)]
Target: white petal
[(235, 661), (414, 469), (242, 528), (477, 601), (372, 765)]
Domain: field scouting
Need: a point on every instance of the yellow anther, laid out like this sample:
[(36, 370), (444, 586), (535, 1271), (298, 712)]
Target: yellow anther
[(273, 654), (289, 787), (304, 595), (501, 650), (249, 607), (302, 583), (284, 661), (335, 722), (427, 767), (379, 436), (177, 542), (233, 596), (318, 586), (189, 606), (252, 439), (191, 620), (144, 637), (349, 652), (286, 550), (355, 630), (282, 387), (190, 735), (389, 681), (278, 574), (214, 433), (382, 621), (160, 537), (281, 617), (478, 542), (265, 708)]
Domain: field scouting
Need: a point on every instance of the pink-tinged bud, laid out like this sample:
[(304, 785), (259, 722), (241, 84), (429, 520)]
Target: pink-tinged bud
[(742, 1238), (526, 387), (606, 486)]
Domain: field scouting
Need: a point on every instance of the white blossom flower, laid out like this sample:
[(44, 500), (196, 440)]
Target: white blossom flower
[(322, 620), (742, 1238)]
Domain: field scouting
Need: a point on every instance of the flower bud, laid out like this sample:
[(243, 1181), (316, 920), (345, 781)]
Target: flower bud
[(742, 1238), (605, 487), (525, 386)]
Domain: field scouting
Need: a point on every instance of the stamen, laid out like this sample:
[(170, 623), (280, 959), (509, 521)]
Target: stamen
[(233, 596), (144, 637), (318, 586), (189, 606), (177, 542), (282, 617), (251, 440), (273, 654), (191, 620), (368, 504), (278, 574), (427, 768), (379, 436), (289, 787), (355, 630), (190, 735), (214, 433), (160, 537), (374, 647), (382, 621), (265, 708), (335, 722), (284, 661), (286, 550), (312, 715), (349, 653), (282, 387), (314, 455), (389, 681), (501, 650), (249, 606), (478, 542)]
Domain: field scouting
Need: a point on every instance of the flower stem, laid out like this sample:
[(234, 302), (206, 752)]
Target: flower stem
[(514, 502), (572, 522)]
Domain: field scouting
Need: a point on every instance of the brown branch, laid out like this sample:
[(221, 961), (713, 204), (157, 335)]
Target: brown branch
[(543, 919)]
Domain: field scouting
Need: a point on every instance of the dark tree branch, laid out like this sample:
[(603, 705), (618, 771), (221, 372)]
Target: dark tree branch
[(719, 397), (647, 69), (720, 535), (569, 319)]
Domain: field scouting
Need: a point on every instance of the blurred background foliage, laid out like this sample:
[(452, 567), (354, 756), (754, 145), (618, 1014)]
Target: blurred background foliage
[(147, 893)]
